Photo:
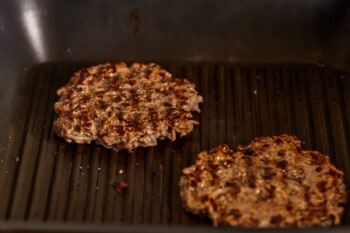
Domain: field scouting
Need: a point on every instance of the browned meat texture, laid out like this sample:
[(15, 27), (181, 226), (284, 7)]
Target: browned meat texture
[(270, 182), (123, 107)]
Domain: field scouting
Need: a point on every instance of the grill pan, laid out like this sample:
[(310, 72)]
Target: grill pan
[(46, 180), (263, 67)]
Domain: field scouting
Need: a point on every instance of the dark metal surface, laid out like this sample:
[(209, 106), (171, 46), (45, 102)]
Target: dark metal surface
[(44, 179)]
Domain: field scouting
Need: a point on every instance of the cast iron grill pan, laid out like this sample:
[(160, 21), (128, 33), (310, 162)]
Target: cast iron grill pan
[(45, 179)]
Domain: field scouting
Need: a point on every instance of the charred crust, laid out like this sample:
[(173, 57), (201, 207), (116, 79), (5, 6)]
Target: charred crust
[(282, 164), (268, 173), (282, 153), (277, 140), (236, 213), (276, 220), (251, 181), (317, 158), (321, 186)]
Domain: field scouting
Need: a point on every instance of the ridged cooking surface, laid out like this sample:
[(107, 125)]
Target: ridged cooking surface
[(43, 178)]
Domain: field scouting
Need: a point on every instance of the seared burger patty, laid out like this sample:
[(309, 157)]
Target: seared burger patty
[(123, 107), (270, 182)]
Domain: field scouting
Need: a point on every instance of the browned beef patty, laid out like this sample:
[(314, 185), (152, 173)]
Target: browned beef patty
[(270, 182), (123, 107)]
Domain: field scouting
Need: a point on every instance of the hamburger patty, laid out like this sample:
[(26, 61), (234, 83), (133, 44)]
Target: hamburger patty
[(270, 182), (123, 107)]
